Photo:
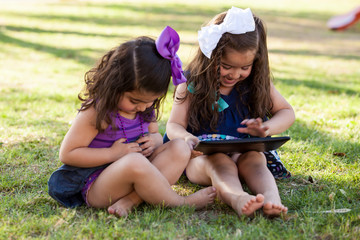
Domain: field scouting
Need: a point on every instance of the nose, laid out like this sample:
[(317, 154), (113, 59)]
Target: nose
[(143, 106), (236, 73)]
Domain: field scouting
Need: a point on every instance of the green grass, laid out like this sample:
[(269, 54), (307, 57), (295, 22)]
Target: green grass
[(45, 49)]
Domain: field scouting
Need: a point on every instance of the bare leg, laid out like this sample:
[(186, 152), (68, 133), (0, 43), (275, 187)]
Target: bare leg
[(252, 168), (171, 159), (221, 172), (135, 172), (124, 205)]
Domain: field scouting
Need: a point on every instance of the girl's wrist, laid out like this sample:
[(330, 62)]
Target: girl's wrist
[(267, 133), (111, 155), (189, 137)]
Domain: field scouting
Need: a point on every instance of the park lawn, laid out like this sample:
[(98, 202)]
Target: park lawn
[(47, 46)]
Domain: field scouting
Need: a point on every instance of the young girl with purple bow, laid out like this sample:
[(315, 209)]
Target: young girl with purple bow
[(229, 94), (113, 154)]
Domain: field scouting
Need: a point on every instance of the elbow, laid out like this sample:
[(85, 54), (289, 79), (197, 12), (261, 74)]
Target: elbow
[(168, 130), (63, 157), (291, 117), (171, 130)]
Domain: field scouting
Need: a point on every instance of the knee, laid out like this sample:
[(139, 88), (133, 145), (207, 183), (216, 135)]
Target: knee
[(251, 160), (134, 163), (180, 149), (221, 161)]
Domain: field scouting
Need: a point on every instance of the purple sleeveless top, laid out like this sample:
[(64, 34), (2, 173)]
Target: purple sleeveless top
[(133, 129)]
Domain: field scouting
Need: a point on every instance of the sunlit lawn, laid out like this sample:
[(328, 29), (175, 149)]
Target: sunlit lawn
[(47, 46)]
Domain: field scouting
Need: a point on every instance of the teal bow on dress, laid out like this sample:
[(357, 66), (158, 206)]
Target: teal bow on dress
[(221, 102)]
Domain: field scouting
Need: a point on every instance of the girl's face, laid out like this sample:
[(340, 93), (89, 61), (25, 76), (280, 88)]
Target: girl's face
[(235, 67), (136, 101)]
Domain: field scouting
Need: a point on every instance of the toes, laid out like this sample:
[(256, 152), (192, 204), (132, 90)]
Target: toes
[(268, 206), (260, 198), (211, 190), (111, 210), (252, 205), (117, 212), (122, 213), (273, 210)]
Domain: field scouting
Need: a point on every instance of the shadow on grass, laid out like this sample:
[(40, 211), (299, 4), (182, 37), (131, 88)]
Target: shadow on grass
[(180, 16), (304, 198), (28, 163), (326, 87), (324, 142), (66, 53), (312, 195), (167, 9), (52, 31), (313, 53)]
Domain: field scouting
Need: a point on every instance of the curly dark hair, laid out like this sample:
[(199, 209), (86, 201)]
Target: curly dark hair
[(134, 65), (204, 76)]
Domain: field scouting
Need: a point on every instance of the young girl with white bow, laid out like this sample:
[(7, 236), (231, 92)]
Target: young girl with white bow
[(113, 154), (229, 93)]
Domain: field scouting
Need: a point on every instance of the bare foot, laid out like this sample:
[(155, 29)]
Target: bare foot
[(248, 204), (274, 210), (201, 198), (124, 205)]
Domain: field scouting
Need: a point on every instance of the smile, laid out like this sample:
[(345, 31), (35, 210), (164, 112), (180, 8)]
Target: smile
[(229, 81)]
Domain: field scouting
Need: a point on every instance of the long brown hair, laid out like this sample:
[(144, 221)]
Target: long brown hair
[(204, 76), (134, 65)]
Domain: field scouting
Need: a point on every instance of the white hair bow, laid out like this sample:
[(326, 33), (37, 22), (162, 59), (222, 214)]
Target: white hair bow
[(236, 21)]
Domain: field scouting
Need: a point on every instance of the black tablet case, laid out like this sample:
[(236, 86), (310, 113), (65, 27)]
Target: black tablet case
[(241, 145)]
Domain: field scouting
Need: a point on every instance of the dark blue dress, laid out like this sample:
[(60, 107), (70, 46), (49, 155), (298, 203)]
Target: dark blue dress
[(229, 120)]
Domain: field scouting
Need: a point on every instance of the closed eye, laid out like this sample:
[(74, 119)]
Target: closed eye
[(227, 67), (134, 102)]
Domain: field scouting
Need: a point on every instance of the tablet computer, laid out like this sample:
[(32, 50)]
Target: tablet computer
[(241, 145)]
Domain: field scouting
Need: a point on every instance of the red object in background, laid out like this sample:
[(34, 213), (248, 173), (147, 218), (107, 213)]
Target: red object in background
[(341, 22)]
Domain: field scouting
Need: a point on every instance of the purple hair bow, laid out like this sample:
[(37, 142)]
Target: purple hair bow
[(167, 45)]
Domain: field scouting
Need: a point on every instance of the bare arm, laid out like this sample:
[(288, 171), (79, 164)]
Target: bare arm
[(283, 116), (177, 123), (74, 149)]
